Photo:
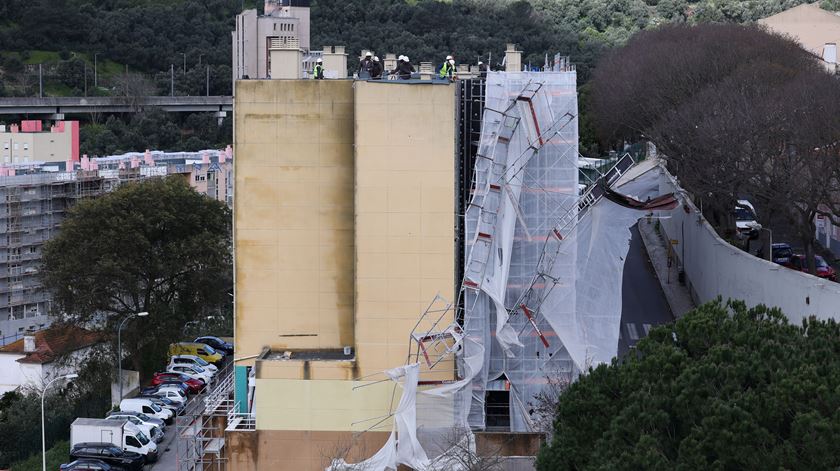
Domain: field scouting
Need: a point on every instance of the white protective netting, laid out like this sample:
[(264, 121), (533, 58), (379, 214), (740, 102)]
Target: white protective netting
[(528, 251)]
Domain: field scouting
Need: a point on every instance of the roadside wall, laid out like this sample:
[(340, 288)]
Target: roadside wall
[(715, 268)]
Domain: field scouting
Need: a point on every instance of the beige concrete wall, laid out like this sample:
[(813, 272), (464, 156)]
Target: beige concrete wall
[(405, 232), (326, 405), (286, 63), (293, 214)]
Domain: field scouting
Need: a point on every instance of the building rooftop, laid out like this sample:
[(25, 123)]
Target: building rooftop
[(808, 24), (54, 342)]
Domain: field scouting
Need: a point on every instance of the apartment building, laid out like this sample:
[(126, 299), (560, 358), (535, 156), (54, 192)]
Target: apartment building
[(35, 197), (29, 142)]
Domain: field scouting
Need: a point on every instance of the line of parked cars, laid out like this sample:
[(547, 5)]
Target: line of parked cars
[(783, 255), (127, 438)]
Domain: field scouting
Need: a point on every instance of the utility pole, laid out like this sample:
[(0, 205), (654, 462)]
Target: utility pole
[(185, 62), (40, 80), (208, 80), (171, 79), (95, 82)]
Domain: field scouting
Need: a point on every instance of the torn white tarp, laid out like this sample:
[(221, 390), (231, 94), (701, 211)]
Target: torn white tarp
[(402, 446)]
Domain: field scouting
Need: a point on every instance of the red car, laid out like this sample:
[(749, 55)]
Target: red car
[(194, 385), (824, 270)]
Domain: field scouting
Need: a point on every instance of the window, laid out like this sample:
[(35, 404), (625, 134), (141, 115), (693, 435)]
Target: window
[(25, 146), (6, 145), (131, 441), (147, 409), (16, 146)]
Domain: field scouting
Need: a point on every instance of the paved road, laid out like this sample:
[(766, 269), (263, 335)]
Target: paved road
[(643, 302), (167, 458)]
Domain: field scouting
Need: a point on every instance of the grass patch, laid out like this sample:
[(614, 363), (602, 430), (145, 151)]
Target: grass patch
[(58, 454), (42, 57), (59, 89)]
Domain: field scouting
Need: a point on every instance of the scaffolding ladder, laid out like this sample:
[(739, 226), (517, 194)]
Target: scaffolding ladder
[(530, 302)]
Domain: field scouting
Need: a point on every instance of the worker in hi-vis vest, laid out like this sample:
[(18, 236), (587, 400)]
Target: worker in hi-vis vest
[(318, 71), (447, 70)]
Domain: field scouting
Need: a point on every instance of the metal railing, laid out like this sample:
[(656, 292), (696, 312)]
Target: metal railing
[(240, 421)]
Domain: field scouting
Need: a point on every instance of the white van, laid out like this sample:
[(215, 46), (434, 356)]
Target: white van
[(147, 407), (119, 432), (151, 430), (745, 224)]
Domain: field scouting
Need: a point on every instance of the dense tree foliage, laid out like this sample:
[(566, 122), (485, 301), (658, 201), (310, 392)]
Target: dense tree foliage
[(155, 246), (736, 111), (725, 387), (20, 411), (151, 35), (155, 129)]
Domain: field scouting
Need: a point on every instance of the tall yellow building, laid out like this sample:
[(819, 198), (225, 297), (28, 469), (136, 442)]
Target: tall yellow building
[(345, 229)]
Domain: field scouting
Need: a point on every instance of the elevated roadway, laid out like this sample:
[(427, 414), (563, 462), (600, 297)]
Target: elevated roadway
[(58, 106)]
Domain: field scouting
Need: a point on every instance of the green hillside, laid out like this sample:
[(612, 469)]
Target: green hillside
[(150, 36)]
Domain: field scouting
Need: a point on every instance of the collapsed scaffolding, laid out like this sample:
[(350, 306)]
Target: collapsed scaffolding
[(530, 306)]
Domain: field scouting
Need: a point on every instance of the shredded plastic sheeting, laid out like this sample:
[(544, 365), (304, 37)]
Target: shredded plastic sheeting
[(540, 176), (537, 304)]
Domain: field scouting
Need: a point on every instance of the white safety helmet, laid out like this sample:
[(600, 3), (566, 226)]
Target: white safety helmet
[(319, 60), (376, 58), (452, 61), (368, 54), (405, 58), (449, 58), (401, 57), (480, 63)]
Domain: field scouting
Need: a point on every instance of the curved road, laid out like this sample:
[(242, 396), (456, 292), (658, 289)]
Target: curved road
[(643, 302)]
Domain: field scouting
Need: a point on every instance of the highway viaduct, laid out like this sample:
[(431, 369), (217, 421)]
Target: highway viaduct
[(57, 107)]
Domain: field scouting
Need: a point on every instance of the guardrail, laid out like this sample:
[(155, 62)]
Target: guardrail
[(240, 421)]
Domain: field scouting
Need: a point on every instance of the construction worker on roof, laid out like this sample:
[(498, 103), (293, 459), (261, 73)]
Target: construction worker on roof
[(318, 71), (404, 68), (482, 69), (376, 69), (365, 65), (447, 70)]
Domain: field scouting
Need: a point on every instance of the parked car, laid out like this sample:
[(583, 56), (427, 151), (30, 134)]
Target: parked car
[(193, 360), (174, 385), (166, 403), (745, 223), (216, 343), (824, 270), (89, 465), (147, 407), (194, 385), (194, 372), (109, 453), (203, 351), (152, 430), (782, 253), (173, 392)]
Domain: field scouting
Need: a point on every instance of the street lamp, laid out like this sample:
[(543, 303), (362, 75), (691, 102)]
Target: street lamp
[(119, 347), (43, 434)]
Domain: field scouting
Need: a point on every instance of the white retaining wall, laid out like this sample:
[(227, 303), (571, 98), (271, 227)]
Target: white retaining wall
[(715, 268)]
